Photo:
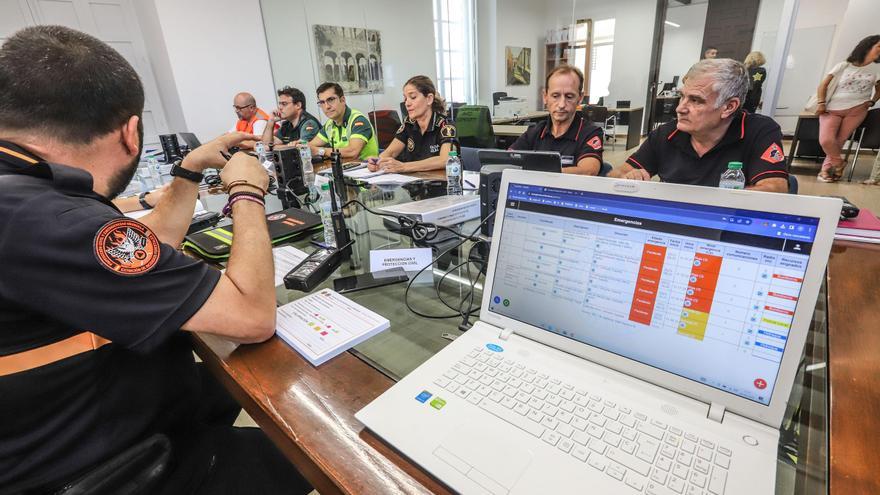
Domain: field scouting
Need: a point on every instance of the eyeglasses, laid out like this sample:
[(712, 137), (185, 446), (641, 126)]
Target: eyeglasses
[(240, 108), (329, 101)]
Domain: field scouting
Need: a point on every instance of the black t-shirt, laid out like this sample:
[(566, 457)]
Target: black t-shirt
[(418, 146), (307, 127), (72, 263), (582, 139), (754, 140)]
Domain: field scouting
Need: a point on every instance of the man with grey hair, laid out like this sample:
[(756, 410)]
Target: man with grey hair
[(711, 131)]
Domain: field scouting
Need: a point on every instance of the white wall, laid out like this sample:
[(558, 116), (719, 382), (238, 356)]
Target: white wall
[(681, 45), (859, 20), (212, 50), (407, 44), (633, 38), (517, 27)]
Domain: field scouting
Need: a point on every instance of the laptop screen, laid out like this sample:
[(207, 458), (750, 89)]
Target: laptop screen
[(704, 292)]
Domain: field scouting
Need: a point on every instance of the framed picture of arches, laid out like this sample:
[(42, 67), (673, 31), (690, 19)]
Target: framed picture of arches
[(351, 57)]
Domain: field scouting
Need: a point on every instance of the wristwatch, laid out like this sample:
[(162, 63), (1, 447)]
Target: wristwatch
[(143, 201), (321, 152), (178, 171)]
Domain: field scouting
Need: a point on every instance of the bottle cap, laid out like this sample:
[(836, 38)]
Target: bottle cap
[(325, 186), (453, 153), (735, 165)]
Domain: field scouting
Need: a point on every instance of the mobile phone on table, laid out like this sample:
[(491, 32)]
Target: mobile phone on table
[(848, 210), (369, 280)]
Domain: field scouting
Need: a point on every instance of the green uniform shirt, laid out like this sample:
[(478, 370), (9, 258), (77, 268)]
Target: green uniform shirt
[(354, 126)]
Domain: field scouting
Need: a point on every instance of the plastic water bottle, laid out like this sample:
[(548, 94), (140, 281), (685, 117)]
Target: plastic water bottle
[(453, 175), (326, 210), (143, 177), (733, 177), (305, 156), (155, 171)]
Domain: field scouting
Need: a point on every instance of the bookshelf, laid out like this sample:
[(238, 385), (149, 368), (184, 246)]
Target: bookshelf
[(570, 45)]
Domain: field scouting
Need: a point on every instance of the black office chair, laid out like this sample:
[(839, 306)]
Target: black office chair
[(869, 137), (470, 161), (403, 113), (474, 127), (604, 169), (137, 470), (623, 103), (600, 116)]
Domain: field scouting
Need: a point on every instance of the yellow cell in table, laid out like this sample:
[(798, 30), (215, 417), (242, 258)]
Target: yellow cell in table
[(693, 324)]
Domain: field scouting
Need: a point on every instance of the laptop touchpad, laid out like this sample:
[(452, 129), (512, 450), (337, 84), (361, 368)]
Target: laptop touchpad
[(486, 454)]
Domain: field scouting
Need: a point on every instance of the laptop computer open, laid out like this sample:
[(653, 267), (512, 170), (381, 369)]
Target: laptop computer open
[(634, 337), (538, 161)]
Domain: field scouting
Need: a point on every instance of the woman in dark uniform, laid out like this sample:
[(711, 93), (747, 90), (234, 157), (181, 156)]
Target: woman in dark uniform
[(757, 75), (424, 139)]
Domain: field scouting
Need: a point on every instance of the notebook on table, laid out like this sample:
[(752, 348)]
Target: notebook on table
[(285, 225), (634, 337)]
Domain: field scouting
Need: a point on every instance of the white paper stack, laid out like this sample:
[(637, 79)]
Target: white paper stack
[(325, 324)]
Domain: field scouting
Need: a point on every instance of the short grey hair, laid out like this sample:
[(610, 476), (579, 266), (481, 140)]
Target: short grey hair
[(731, 78)]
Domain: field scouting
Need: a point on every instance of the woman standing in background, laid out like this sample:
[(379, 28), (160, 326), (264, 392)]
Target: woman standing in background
[(757, 74), (856, 89)]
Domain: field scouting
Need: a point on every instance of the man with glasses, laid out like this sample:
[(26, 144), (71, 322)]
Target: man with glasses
[(346, 129), (565, 130), (296, 123), (251, 119)]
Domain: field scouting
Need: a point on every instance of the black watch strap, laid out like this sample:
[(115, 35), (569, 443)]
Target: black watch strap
[(178, 171), (143, 201)]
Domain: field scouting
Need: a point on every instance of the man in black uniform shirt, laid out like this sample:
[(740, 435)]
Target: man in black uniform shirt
[(425, 138), (296, 122), (712, 131), (565, 130), (92, 356)]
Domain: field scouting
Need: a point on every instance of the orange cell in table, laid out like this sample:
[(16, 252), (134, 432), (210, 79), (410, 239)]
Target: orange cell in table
[(698, 303), (647, 281), (707, 262)]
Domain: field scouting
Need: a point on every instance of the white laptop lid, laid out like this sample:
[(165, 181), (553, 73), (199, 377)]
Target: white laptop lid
[(704, 291)]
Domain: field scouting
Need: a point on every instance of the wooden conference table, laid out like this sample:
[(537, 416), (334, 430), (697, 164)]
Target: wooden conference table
[(308, 412)]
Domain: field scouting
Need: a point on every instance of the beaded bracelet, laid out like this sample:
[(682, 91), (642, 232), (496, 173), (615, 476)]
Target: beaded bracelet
[(242, 182), (227, 210), (244, 193)]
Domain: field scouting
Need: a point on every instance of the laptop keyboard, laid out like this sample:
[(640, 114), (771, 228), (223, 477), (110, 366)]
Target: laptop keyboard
[(645, 454)]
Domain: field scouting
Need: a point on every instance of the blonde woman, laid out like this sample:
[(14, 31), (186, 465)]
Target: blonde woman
[(757, 75)]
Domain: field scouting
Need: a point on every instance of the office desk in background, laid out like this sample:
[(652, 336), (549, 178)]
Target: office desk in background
[(309, 412), (634, 124), (508, 130), (528, 117)]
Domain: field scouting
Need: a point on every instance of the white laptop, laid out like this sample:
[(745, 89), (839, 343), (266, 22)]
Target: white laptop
[(634, 337)]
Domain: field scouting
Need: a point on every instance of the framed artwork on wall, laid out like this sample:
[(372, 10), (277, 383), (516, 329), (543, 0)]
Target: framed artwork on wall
[(519, 65), (351, 57)]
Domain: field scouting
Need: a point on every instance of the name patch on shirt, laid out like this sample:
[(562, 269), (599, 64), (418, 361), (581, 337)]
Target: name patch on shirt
[(127, 247), (773, 154), (595, 143)]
